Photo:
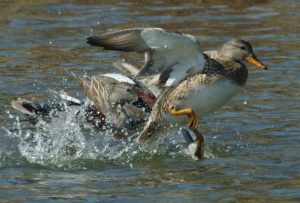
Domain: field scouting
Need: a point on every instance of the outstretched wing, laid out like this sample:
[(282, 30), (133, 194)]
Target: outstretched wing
[(125, 40), (171, 54)]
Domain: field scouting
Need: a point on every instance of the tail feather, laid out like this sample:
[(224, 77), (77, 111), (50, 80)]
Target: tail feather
[(29, 108), (24, 106), (34, 109)]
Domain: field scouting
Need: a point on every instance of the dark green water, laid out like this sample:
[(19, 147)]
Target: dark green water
[(252, 144)]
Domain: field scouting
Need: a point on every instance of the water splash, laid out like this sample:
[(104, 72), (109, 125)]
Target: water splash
[(67, 141)]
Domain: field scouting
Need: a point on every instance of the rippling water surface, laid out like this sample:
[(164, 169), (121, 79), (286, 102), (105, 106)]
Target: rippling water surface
[(252, 144)]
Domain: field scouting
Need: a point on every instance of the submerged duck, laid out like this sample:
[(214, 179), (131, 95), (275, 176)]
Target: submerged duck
[(117, 102), (126, 103)]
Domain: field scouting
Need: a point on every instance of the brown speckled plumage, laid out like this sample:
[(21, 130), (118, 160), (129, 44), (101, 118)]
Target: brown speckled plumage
[(124, 104), (177, 93), (225, 65)]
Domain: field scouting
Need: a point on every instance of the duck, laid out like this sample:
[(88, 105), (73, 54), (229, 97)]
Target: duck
[(223, 75), (115, 101), (169, 56), (126, 103)]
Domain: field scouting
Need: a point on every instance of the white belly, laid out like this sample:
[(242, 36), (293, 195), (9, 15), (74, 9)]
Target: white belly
[(207, 98)]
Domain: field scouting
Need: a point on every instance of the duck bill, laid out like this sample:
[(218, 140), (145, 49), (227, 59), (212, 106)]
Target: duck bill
[(254, 60)]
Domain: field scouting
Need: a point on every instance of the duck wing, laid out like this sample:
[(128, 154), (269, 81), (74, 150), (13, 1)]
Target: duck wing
[(172, 54)]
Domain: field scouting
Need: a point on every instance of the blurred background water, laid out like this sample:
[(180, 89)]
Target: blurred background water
[(252, 144)]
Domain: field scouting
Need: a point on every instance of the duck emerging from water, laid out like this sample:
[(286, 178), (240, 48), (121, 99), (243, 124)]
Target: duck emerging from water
[(188, 81)]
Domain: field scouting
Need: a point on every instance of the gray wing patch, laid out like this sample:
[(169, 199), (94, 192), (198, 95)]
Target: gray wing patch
[(162, 50), (129, 40)]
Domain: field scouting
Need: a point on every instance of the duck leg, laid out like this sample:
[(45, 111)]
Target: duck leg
[(193, 117), (193, 124)]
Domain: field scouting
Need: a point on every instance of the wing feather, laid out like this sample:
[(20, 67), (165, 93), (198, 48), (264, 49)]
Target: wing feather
[(129, 40), (163, 50)]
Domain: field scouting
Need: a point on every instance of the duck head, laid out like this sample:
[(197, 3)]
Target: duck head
[(240, 51)]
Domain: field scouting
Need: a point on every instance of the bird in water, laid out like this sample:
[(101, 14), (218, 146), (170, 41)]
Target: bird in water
[(126, 103), (116, 101), (186, 80), (223, 75)]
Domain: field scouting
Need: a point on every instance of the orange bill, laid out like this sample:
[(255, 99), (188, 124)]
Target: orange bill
[(253, 60)]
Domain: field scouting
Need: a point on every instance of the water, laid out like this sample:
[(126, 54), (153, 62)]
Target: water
[(252, 144)]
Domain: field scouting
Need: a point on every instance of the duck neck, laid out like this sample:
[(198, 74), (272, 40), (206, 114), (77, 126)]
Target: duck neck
[(238, 73)]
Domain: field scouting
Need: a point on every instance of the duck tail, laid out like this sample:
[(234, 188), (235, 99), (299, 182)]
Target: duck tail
[(35, 109), (25, 106), (29, 108)]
